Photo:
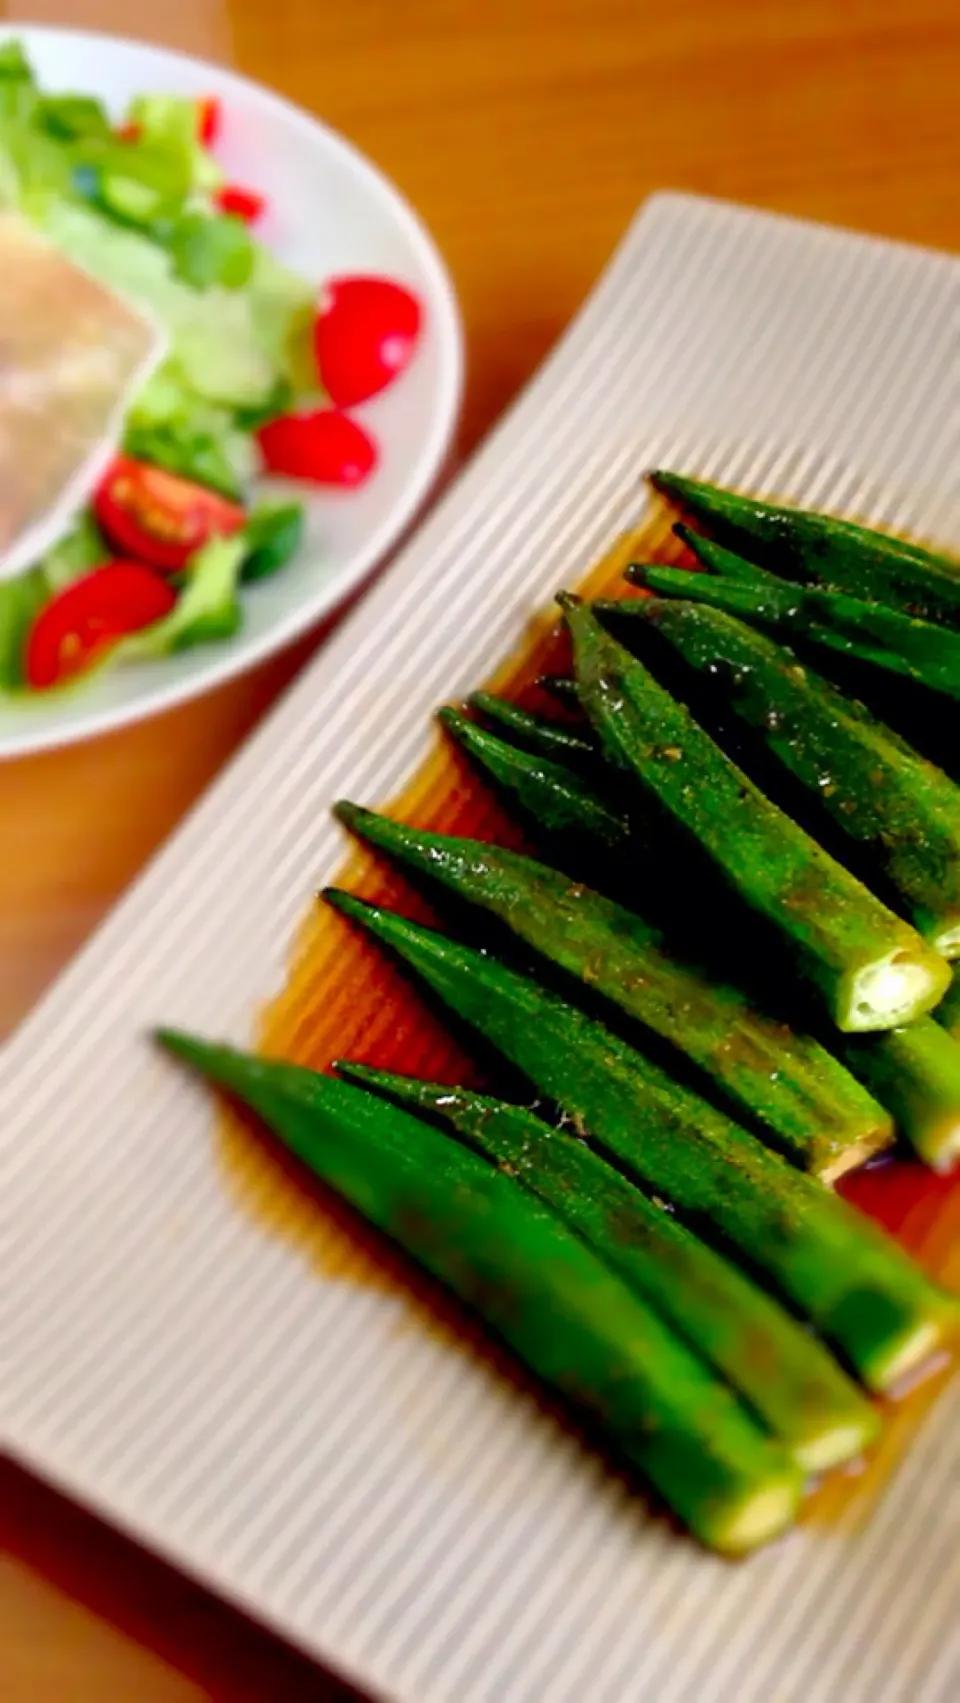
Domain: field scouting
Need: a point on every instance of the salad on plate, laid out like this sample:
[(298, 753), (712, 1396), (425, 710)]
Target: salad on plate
[(207, 367)]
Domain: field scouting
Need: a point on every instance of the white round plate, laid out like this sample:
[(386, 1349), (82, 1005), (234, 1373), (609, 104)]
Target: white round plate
[(330, 211)]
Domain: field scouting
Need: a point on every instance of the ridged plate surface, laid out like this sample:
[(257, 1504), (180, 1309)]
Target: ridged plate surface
[(382, 1498)]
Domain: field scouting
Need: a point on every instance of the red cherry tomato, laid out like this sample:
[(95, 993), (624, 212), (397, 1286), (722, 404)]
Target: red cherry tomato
[(90, 616), (208, 120), (324, 446), (243, 203), (365, 334), (157, 517)]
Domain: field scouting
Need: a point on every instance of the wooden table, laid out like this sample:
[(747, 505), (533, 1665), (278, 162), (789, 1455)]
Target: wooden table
[(526, 131)]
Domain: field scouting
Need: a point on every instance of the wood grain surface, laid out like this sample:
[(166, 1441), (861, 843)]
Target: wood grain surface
[(526, 132)]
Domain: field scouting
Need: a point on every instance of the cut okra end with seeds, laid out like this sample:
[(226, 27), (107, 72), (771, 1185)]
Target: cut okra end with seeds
[(893, 990)]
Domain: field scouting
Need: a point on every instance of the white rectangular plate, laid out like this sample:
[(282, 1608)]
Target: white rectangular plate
[(381, 1498)]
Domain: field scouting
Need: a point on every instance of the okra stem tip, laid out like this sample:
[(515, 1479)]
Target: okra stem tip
[(347, 903), (184, 1046), (378, 1082), (559, 686), (349, 1067), (686, 534), (639, 574), (349, 814), (667, 483), (169, 1038), (211, 1058), (568, 600)]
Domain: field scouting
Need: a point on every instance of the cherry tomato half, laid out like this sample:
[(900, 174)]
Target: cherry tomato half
[(157, 517), (208, 120), (324, 446), (365, 333), (88, 617), (243, 203)]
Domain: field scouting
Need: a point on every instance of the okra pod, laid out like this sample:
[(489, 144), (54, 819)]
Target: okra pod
[(948, 1011), (784, 1375), (573, 1321), (823, 550), (915, 1073), (806, 1103), (724, 562), (547, 791), (869, 967), (860, 1291), (561, 687), (534, 733), (868, 632), (901, 810)]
